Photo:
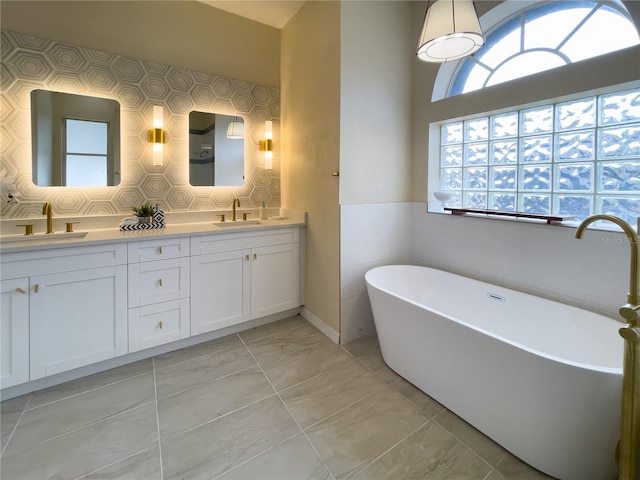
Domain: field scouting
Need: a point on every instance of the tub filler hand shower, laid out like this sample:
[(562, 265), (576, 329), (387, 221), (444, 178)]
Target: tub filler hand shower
[(629, 446)]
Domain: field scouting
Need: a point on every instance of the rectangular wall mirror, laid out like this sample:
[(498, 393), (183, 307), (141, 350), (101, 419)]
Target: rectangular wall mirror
[(216, 150), (75, 140)]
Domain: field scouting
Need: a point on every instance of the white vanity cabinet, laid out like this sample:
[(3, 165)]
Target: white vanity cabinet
[(239, 276), (77, 306), (159, 289)]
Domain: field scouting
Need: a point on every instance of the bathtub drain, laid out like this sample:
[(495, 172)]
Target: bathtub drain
[(495, 296)]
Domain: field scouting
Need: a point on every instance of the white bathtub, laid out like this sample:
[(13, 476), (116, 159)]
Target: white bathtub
[(541, 378)]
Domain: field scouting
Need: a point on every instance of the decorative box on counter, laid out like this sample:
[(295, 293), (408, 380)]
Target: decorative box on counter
[(157, 221)]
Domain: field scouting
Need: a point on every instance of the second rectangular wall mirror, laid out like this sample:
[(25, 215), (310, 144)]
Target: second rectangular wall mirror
[(216, 150)]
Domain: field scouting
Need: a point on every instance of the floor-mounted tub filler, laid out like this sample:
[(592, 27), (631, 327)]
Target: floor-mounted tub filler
[(541, 378)]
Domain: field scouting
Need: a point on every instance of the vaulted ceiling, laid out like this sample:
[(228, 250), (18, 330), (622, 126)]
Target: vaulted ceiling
[(275, 13)]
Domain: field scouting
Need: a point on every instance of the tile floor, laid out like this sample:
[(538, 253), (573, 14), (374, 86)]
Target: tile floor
[(275, 402)]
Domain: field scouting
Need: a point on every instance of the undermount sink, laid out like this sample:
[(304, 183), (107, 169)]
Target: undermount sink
[(237, 223), (42, 237)]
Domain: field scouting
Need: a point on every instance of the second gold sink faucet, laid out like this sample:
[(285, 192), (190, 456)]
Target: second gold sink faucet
[(46, 210), (236, 202)]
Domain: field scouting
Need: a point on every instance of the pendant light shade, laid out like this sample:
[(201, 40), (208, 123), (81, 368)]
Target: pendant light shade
[(236, 128), (451, 30)]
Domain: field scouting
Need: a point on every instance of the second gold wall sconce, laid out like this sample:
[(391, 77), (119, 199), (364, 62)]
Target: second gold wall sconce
[(266, 145), (157, 135)]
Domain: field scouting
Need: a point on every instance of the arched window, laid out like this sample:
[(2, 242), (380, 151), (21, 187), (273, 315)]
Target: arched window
[(541, 37)]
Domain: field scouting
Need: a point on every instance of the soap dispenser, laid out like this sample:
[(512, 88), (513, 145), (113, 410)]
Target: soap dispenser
[(263, 212)]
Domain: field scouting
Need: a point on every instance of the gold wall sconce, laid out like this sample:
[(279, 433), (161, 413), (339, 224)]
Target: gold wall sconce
[(266, 145), (157, 135)]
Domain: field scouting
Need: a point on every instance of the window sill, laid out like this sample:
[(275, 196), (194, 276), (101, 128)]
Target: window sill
[(563, 221)]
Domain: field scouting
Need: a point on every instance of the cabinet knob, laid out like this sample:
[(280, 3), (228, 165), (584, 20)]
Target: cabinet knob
[(246, 258), (160, 325), (36, 288), (20, 290), (160, 282), (255, 256), (159, 250)]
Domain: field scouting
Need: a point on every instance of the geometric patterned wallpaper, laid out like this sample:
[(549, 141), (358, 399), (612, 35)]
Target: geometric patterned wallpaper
[(28, 63)]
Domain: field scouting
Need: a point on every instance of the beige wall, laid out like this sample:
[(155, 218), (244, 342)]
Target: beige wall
[(375, 103), (184, 34), (311, 146)]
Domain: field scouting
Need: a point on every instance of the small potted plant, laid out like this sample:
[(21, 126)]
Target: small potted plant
[(144, 213)]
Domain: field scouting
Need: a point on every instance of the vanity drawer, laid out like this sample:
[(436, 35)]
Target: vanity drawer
[(161, 281), (158, 324), (151, 250)]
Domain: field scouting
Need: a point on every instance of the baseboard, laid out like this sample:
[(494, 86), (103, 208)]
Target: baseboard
[(320, 325), (67, 376)]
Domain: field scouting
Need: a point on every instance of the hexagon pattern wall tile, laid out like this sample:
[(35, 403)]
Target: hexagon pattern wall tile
[(29, 63)]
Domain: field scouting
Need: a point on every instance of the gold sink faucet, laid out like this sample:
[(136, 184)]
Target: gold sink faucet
[(629, 446), (46, 210), (236, 201)]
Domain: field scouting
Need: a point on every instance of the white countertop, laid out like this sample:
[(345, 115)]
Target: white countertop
[(42, 241)]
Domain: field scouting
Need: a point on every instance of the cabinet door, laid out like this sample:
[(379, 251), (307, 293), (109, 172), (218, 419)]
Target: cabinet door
[(14, 332), (220, 288), (158, 324), (275, 277), (77, 318)]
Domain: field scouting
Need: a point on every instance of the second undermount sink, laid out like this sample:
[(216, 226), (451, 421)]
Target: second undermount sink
[(42, 237), (237, 223)]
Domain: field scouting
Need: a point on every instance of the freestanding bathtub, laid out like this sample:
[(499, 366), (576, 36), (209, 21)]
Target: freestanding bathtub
[(541, 378)]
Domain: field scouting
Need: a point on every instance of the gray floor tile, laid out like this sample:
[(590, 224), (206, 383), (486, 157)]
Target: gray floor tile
[(90, 382), (144, 465), (85, 450), (272, 328), (293, 459), (51, 420), (363, 346), (285, 371), (287, 342), (10, 412), (512, 468), (431, 453), (217, 446), (370, 356), (486, 448), (200, 404), (360, 433), (326, 394), (219, 360), (195, 351)]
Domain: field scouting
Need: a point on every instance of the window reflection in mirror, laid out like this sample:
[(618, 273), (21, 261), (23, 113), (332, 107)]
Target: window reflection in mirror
[(75, 140), (216, 152)]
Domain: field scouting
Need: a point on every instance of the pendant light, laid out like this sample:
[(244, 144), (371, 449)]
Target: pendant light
[(451, 30), (235, 129)]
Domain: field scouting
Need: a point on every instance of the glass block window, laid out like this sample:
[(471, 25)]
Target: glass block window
[(542, 37), (574, 158)]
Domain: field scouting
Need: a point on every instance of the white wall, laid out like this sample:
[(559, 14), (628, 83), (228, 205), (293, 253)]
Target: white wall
[(370, 235)]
